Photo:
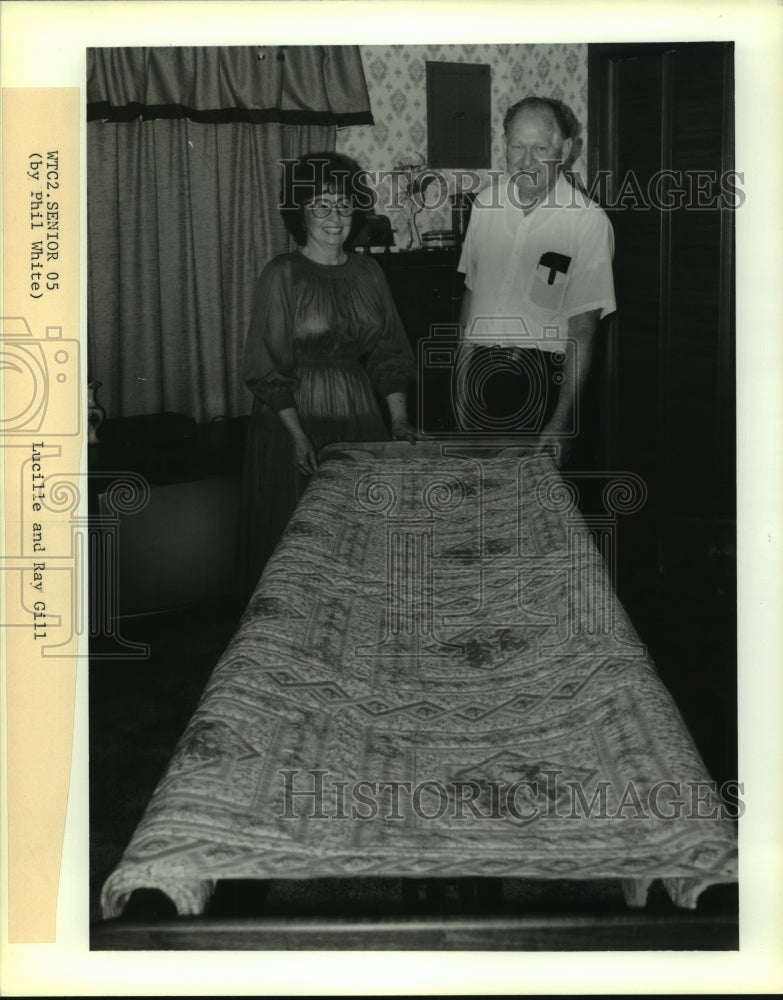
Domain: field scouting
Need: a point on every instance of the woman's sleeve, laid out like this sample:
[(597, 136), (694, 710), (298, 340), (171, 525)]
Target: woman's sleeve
[(269, 358), (390, 361)]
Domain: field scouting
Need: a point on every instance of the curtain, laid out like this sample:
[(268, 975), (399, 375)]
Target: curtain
[(183, 185), (310, 84), (182, 217)]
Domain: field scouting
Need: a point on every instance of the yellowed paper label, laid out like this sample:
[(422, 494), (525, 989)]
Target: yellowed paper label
[(42, 372)]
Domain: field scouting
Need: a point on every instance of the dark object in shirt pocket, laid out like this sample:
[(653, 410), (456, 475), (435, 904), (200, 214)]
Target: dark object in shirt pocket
[(549, 281), (555, 263)]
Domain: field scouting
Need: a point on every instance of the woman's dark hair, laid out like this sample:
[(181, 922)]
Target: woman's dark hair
[(310, 176), (564, 117)]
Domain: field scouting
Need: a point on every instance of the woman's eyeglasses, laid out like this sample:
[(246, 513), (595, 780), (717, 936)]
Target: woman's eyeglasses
[(321, 209)]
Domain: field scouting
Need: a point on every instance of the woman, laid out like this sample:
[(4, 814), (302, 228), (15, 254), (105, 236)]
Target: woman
[(325, 342)]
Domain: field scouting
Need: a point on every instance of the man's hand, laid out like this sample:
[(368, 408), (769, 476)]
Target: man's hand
[(555, 445), (581, 332)]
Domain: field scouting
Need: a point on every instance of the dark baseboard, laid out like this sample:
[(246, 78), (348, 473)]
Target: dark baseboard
[(634, 932)]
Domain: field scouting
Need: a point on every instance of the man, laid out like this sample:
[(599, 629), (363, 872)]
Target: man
[(538, 278)]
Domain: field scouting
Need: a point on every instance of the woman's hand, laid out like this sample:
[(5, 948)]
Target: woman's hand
[(304, 455), (401, 427), (402, 430)]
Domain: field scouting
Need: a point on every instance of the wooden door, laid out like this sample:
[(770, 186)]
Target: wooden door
[(661, 131), (661, 126)]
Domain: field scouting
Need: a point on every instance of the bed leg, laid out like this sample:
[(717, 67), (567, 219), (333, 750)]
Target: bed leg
[(635, 890)]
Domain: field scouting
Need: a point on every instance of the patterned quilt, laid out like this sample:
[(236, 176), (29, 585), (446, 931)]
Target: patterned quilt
[(434, 678)]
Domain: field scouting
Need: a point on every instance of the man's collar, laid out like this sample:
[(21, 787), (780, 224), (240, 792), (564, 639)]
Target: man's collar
[(560, 194)]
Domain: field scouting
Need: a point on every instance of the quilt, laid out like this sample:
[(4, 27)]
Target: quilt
[(435, 678)]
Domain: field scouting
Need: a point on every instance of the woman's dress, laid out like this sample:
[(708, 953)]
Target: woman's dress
[(327, 340)]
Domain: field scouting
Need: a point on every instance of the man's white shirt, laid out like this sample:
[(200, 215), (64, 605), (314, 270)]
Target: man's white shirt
[(529, 274)]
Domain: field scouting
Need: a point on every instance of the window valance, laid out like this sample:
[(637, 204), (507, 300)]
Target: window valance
[(293, 85)]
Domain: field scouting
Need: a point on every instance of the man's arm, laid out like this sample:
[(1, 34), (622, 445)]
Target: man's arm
[(464, 310), (579, 354)]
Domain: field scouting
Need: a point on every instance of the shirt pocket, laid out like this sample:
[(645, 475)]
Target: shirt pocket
[(549, 281)]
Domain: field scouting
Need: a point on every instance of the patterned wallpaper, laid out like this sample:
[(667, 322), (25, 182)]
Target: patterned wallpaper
[(396, 80)]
